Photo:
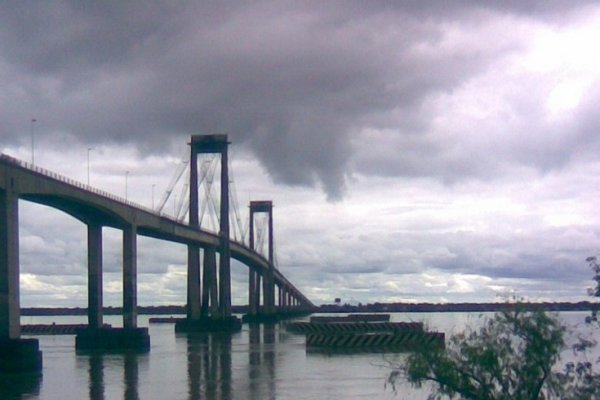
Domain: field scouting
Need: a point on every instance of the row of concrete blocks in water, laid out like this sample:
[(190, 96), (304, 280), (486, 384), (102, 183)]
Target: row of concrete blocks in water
[(23, 355), (371, 333)]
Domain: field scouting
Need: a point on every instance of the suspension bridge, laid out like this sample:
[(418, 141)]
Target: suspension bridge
[(206, 233)]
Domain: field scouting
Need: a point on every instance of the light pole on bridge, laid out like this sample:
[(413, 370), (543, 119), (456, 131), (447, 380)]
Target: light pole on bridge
[(126, 177), (33, 121), (88, 164), (153, 196)]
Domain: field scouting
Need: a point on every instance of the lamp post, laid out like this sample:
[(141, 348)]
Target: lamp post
[(88, 164), (126, 176), (33, 121), (153, 196)]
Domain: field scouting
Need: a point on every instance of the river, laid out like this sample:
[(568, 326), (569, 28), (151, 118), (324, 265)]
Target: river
[(261, 362)]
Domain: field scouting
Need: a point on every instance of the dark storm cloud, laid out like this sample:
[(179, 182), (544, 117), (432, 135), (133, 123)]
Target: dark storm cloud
[(294, 82)]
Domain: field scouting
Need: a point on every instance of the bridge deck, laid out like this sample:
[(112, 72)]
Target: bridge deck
[(91, 205)]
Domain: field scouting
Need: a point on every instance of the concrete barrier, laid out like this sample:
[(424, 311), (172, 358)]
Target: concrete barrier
[(400, 340), (351, 327)]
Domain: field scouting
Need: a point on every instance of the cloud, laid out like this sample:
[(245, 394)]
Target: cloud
[(459, 139), (298, 85)]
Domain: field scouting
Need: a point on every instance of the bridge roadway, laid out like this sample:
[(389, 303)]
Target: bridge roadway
[(92, 206)]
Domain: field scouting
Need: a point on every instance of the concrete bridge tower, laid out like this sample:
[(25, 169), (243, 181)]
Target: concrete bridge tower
[(209, 306), (254, 278)]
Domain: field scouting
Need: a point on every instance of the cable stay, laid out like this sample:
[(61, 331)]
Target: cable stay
[(275, 261), (209, 210), (260, 229), (183, 198), (237, 225), (208, 205), (174, 179)]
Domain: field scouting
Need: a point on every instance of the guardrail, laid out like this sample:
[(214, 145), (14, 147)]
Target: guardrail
[(72, 182), (77, 184)]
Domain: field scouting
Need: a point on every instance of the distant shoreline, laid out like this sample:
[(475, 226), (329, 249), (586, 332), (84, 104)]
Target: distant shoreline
[(335, 308)]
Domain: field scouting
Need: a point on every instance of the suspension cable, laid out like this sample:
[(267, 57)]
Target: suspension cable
[(174, 179)]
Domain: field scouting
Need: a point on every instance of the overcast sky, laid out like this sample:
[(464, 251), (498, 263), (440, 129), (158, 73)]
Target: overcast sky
[(415, 151)]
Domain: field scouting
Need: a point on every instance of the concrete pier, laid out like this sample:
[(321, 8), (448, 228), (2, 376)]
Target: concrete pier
[(16, 355), (94, 237), (130, 277), (98, 337), (9, 266)]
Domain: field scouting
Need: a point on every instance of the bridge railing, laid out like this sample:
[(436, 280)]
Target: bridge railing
[(83, 186), (72, 182), (99, 192), (80, 185)]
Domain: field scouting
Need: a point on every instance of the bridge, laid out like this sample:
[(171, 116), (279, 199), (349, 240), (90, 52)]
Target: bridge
[(208, 288)]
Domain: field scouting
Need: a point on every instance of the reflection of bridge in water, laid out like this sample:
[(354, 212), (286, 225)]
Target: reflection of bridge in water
[(209, 365), (208, 283)]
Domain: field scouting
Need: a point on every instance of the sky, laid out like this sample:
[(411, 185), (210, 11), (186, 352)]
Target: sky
[(415, 151)]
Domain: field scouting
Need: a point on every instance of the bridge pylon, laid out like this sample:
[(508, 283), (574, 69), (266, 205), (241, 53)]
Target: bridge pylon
[(16, 354), (216, 290), (255, 312)]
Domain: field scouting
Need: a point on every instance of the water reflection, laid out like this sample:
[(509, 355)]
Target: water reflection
[(96, 373), (209, 366), (19, 386), (211, 374), (131, 376), (261, 360), (97, 363)]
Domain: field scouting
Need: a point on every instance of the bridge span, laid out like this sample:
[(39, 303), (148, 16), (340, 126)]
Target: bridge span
[(208, 294)]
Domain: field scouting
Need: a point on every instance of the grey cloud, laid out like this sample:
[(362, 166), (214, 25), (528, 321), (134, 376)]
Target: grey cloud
[(293, 82), (541, 254)]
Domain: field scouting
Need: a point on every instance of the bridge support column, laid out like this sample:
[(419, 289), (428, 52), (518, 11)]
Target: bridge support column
[(130, 337), (193, 283), (16, 355), (283, 299), (252, 309), (10, 325), (193, 271), (268, 312), (130, 277), (224, 251), (269, 292), (257, 288), (209, 290), (269, 276), (253, 276), (94, 242)]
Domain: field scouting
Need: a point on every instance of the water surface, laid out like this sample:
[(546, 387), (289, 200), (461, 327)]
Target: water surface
[(261, 362)]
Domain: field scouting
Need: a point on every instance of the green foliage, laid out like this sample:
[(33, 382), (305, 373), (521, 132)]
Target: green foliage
[(511, 357), (594, 291)]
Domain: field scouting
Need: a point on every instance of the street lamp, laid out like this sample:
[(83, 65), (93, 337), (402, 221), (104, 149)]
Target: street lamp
[(88, 164), (153, 196), (33, 121), (126, 176)]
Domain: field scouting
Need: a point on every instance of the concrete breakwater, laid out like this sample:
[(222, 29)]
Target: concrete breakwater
[(365, 333), (54, 329)]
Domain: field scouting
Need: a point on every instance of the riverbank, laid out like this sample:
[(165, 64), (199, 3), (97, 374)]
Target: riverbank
[(338, 308)]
